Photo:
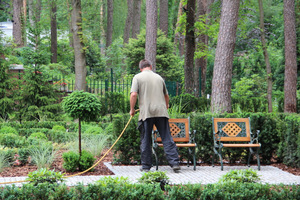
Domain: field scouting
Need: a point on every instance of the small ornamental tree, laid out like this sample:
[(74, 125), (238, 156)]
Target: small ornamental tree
[(83, 106)]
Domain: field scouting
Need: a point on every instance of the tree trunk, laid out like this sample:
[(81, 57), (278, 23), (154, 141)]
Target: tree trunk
[(80, 60), (290, 79), (201, 63), (136, 18), (265, 51), (163, 16), (18, 22), (222, 74), (179, 38), (128, 21), (190, 48), (109, 32), (151, 32), (53, 32)]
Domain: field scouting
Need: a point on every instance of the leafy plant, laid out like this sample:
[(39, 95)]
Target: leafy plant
[(59, 128), (71, 161), (44, 175), (11, 140), (155, 177), (8, 129), (242, 176), (95, 143), (3, 161), (36, 138), (42, 155)]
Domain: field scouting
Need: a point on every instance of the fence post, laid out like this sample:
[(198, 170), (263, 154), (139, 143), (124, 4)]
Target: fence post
[(112, 79)]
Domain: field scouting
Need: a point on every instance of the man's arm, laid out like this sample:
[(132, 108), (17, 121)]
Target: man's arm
[(167, 100), (133, 98)]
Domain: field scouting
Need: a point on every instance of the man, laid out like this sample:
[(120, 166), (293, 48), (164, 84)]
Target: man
[(153, 104)]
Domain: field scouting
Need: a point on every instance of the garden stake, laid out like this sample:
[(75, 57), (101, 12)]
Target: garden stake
[(94, 164)]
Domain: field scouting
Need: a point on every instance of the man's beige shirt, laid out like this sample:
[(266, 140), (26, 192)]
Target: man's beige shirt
[(151, 91)]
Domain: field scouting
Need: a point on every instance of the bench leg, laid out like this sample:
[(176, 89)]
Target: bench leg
[(258, 161), (220, 156), (156, 159), (250, 153), (194, 158)]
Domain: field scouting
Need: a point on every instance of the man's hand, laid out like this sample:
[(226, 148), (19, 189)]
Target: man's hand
[(132, 112)]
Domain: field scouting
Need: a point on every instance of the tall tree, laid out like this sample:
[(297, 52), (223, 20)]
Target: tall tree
[(151, 32), (266, 55), (80, 59), (179, 37), (290, 79), (128, 21), (201, 45), (190, 48), (109, 32), (136, 18), (163, 16), (222, 74), (18, 23), (53, 32)]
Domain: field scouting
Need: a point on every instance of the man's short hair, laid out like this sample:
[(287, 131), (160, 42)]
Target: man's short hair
[(144, 63)]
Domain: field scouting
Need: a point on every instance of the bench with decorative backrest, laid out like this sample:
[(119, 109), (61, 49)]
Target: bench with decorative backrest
[(234, 133), (182, 136)]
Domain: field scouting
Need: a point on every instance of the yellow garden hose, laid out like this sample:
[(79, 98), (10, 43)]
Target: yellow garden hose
[(91, 166)]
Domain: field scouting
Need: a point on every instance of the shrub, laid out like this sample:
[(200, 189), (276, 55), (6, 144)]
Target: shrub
[(94, 143), (155, 177), (44, 175), (12, 140), (3, 161), (86, 160), (71, 161), (23, 155), (94, 130), (59, 128), (36, 138), (8, 129), (243, 176)]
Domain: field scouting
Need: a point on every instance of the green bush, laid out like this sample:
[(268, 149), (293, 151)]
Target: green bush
[(23, 155), (59, 128), (114, 102), (8, 129), (36, 138), (94, 130), (9, 154), (155, 177), (243, 176), (71, 161), (86, 160), (44, 175), (12, 140), (61, 137), (42, 155)]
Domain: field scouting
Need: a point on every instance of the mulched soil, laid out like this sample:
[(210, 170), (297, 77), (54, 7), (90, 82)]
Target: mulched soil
[(101, 169)]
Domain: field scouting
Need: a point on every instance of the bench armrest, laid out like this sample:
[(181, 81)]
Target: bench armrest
[(254, 137), (192, 136)]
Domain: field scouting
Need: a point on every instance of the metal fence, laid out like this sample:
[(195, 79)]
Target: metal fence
[(101, 87)]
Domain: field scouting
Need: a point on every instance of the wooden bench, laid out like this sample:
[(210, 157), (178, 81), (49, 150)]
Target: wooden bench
[(234, 133), (182, 136)]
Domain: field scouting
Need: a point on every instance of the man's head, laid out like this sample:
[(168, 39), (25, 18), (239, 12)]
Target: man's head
[(144, 64)]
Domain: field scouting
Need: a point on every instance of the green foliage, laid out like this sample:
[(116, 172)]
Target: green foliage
[(188, 103), (12, 140), (37, 137), (8, 129), (23, 155), (3, 161), (167, 64), (42, 155), (154, 178), (114, 102), (44, 175), (73, 161), (129, 144), (59, 128), (82, 105), (242, 176), (86, 160)]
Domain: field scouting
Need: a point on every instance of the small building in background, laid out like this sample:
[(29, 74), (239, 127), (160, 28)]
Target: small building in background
[(17, 70)]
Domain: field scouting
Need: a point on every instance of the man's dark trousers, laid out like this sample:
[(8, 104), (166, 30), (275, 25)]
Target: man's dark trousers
[(162, 125)]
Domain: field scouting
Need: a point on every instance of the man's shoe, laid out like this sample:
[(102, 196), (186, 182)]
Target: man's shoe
[(176, 168), (144, 169)]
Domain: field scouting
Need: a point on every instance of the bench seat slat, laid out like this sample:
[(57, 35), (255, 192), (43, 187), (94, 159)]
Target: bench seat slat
[(180, 145), (241, 145)]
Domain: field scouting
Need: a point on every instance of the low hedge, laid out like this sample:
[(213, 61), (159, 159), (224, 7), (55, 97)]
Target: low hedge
[(121, 190), (279, 137)]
